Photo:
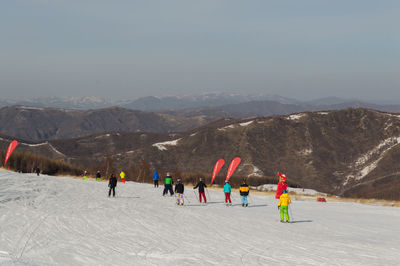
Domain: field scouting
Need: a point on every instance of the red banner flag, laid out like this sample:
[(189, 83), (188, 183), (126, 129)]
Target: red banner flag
[(232, 167), (10, 149), (217, 167)]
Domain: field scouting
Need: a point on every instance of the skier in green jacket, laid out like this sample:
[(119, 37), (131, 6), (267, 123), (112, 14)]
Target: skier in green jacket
[(168, 181)]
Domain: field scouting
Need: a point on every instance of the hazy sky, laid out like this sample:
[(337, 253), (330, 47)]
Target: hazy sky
[(118, 49)]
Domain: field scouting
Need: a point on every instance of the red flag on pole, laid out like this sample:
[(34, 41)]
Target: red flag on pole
[(217, 167), (232, 167), (10, 149)]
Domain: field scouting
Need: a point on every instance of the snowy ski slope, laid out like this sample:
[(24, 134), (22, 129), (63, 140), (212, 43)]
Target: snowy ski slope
[(63, 221)]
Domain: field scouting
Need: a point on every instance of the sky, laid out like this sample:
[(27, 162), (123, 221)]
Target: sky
[(128, 49)]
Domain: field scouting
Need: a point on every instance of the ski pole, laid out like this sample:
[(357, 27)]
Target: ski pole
[(251, 200), (290, 212), (186, 198), (208, 195), (196, 196)]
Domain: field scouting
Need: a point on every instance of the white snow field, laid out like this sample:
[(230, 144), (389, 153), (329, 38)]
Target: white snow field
[(47, 220)]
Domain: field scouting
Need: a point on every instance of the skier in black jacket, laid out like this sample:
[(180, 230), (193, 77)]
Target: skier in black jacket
[(37, 170), (179, 189), (112, 183), (201, 187)]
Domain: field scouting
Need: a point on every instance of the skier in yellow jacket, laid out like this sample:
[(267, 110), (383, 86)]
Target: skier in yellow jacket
[(122, 175), (283, 205)]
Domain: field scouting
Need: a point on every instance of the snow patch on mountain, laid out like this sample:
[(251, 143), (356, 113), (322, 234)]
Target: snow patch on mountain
[(43, 144), (226, 127), (307, 151), (162, 146), (388, 125), (296, 116), (103, 136), (381, 147), (393, 115), (256, 171), (245, 123), (31, 108), (364, 165)]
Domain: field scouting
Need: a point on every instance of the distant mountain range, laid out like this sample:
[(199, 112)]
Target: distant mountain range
[(150, 103), (37, 124), (352, 152), (268, 108), (171, 103)]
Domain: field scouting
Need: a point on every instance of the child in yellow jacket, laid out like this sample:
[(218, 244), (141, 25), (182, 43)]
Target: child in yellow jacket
[(283, 205)]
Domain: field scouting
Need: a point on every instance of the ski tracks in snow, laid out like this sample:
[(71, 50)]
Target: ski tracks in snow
[(50, 220)]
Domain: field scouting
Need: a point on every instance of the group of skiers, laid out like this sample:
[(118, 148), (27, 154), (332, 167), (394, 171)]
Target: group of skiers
[(244, 190), (112, 182), (201, 186)]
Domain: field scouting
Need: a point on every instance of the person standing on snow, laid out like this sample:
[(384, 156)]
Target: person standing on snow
[(155, 178), (283, 205), (201, 187), (179, 189), (168, 181), (98, 176), (85, 175), (227, 191), (37, 170), (112, 183), (244, 192)]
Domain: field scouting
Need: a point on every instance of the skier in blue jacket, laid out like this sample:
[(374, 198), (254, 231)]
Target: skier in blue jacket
[(155, 178), (227, 191)]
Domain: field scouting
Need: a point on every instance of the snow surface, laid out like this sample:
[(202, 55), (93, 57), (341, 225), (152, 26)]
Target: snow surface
[(63, 221)]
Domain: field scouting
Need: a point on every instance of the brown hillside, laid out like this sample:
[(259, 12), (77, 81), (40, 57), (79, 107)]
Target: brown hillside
[(352, 152)]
